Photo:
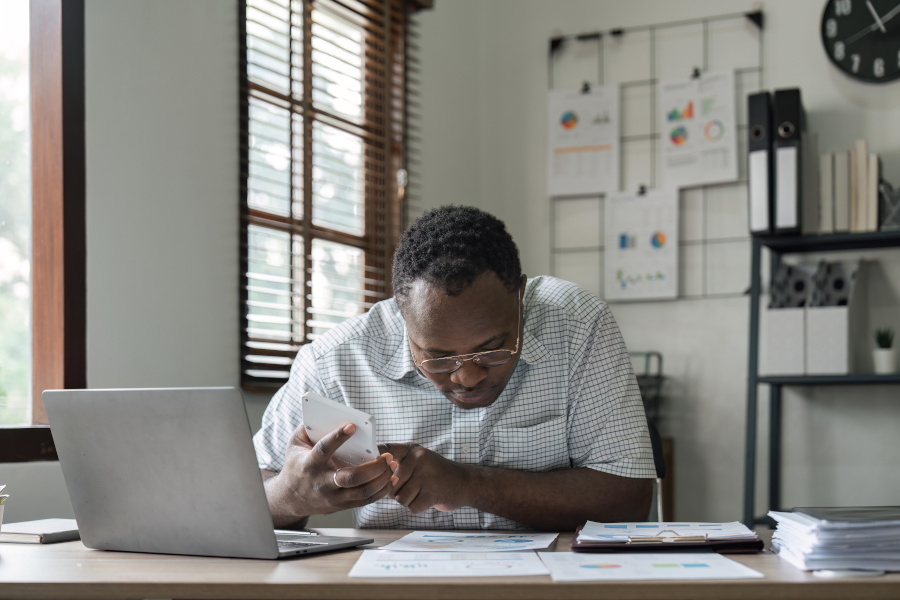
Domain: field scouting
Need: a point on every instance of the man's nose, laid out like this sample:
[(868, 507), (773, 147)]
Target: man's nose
[(469, 375)]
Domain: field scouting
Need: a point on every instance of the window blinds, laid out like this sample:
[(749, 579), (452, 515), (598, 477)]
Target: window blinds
[(325, 129)]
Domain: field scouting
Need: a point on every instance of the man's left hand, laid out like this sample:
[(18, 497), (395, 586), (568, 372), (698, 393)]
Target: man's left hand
[(426, 479)]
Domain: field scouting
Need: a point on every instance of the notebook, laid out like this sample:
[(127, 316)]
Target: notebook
[(42, 531), (169, 471)]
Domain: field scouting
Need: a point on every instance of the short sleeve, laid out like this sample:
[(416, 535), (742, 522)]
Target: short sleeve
[(607, 422), (284, 413)]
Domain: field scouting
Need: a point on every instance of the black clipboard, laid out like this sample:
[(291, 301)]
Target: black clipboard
[(669, 544)]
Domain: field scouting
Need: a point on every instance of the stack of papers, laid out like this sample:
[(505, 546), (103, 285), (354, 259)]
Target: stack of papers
[(674, 532), (866, 538)]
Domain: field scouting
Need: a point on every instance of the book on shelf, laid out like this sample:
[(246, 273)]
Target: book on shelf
[(41, 531), (826, 192), (841, 192), (849, 185), (861, 179), (810, 211), (873, 177)]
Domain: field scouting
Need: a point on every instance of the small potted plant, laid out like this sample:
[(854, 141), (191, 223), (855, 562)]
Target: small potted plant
[(884, 357)]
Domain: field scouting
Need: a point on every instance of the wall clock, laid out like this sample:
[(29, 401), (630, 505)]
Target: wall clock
[(862, 38)]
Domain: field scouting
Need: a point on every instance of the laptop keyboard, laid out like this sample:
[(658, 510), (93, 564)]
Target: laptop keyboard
[(287, 541), (285, 545)]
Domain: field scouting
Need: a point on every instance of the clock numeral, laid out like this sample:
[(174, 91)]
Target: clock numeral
[(878, 67), (843, 8), (855, 66), (831, 28), (840, 51)]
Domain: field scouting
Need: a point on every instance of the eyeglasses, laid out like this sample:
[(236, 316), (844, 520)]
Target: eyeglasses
[(489, 358)]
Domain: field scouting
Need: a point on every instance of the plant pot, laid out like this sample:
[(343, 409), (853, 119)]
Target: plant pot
[(885, 360)]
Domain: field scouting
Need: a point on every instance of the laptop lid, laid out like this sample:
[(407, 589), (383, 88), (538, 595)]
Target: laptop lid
[(169, 471)]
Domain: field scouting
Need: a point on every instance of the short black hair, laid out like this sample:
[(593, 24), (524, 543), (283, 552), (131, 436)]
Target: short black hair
[(450, 247)]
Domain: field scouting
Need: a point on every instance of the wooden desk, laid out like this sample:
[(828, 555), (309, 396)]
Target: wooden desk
[(69, 570)]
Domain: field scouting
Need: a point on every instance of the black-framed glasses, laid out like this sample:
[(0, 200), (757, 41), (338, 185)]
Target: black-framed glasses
[(489, 358)]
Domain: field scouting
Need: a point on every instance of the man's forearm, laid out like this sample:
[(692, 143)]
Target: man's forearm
[(557, 500), (281, 517)]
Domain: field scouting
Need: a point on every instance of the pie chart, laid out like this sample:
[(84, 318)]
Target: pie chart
[(678, 135), (569, 119), (714, 130), (658, 239)]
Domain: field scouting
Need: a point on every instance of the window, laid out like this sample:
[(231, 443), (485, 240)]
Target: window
[(323, 169), (57, 257), (15, 216)]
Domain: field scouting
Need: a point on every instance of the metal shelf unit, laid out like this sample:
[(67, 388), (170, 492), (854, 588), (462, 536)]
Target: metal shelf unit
[(778, 246)]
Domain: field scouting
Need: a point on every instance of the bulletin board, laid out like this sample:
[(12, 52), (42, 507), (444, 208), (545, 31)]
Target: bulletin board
[(714, 242)]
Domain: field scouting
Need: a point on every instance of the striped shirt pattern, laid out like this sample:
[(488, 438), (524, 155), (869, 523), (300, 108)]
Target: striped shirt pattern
[(572, 400)]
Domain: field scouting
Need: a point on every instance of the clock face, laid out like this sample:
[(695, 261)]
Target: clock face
[(862, 38)]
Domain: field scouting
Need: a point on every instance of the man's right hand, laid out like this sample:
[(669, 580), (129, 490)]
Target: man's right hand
[(314, 482)]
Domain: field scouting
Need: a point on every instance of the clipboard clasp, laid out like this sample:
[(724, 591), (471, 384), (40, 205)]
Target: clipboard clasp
[(667, 539)]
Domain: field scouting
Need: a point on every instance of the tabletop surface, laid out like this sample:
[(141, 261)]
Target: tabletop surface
[(69, 570)]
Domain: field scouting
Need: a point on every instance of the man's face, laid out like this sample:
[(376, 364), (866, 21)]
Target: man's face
[(485, 316)]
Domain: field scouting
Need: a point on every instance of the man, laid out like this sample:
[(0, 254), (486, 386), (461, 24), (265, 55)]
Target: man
[(503, 402)]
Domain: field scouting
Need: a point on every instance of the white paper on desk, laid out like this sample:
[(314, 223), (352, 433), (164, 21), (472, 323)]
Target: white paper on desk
[(618, 566), (612, 532), (381, 563), (448, 541)]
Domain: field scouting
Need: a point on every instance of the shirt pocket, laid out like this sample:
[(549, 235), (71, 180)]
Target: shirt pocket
[(541, 447)]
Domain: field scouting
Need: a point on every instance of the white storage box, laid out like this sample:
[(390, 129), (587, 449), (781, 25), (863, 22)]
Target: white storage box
[(783, 352), (834, 333)]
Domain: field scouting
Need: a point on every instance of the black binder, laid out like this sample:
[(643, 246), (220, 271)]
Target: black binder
[(789, 122), (760, 170)]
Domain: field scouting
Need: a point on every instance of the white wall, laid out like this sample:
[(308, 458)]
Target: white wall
[(162, 210), (829, 432)]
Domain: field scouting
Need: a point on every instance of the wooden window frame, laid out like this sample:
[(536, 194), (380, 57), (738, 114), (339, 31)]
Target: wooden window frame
[(383, 155), (58, 219)]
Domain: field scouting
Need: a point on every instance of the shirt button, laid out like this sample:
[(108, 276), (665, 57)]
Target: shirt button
[(465, 449)]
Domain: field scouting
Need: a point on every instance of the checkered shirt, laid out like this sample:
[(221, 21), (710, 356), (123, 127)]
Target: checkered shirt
[(572, 400)]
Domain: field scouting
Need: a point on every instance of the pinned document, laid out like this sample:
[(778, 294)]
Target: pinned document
[(583, 141), (698, 137)]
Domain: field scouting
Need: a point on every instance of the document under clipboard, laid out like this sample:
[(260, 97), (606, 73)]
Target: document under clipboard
[(664, 539)]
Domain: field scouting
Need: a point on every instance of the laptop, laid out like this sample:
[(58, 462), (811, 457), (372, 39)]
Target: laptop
[(170, 471)]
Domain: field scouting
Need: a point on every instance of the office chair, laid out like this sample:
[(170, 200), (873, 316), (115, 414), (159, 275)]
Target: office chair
[(660, 463)]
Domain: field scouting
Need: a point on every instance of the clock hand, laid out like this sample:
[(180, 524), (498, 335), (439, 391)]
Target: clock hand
[(877, 18), (891, 14), (861, 33), (887, 17)]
